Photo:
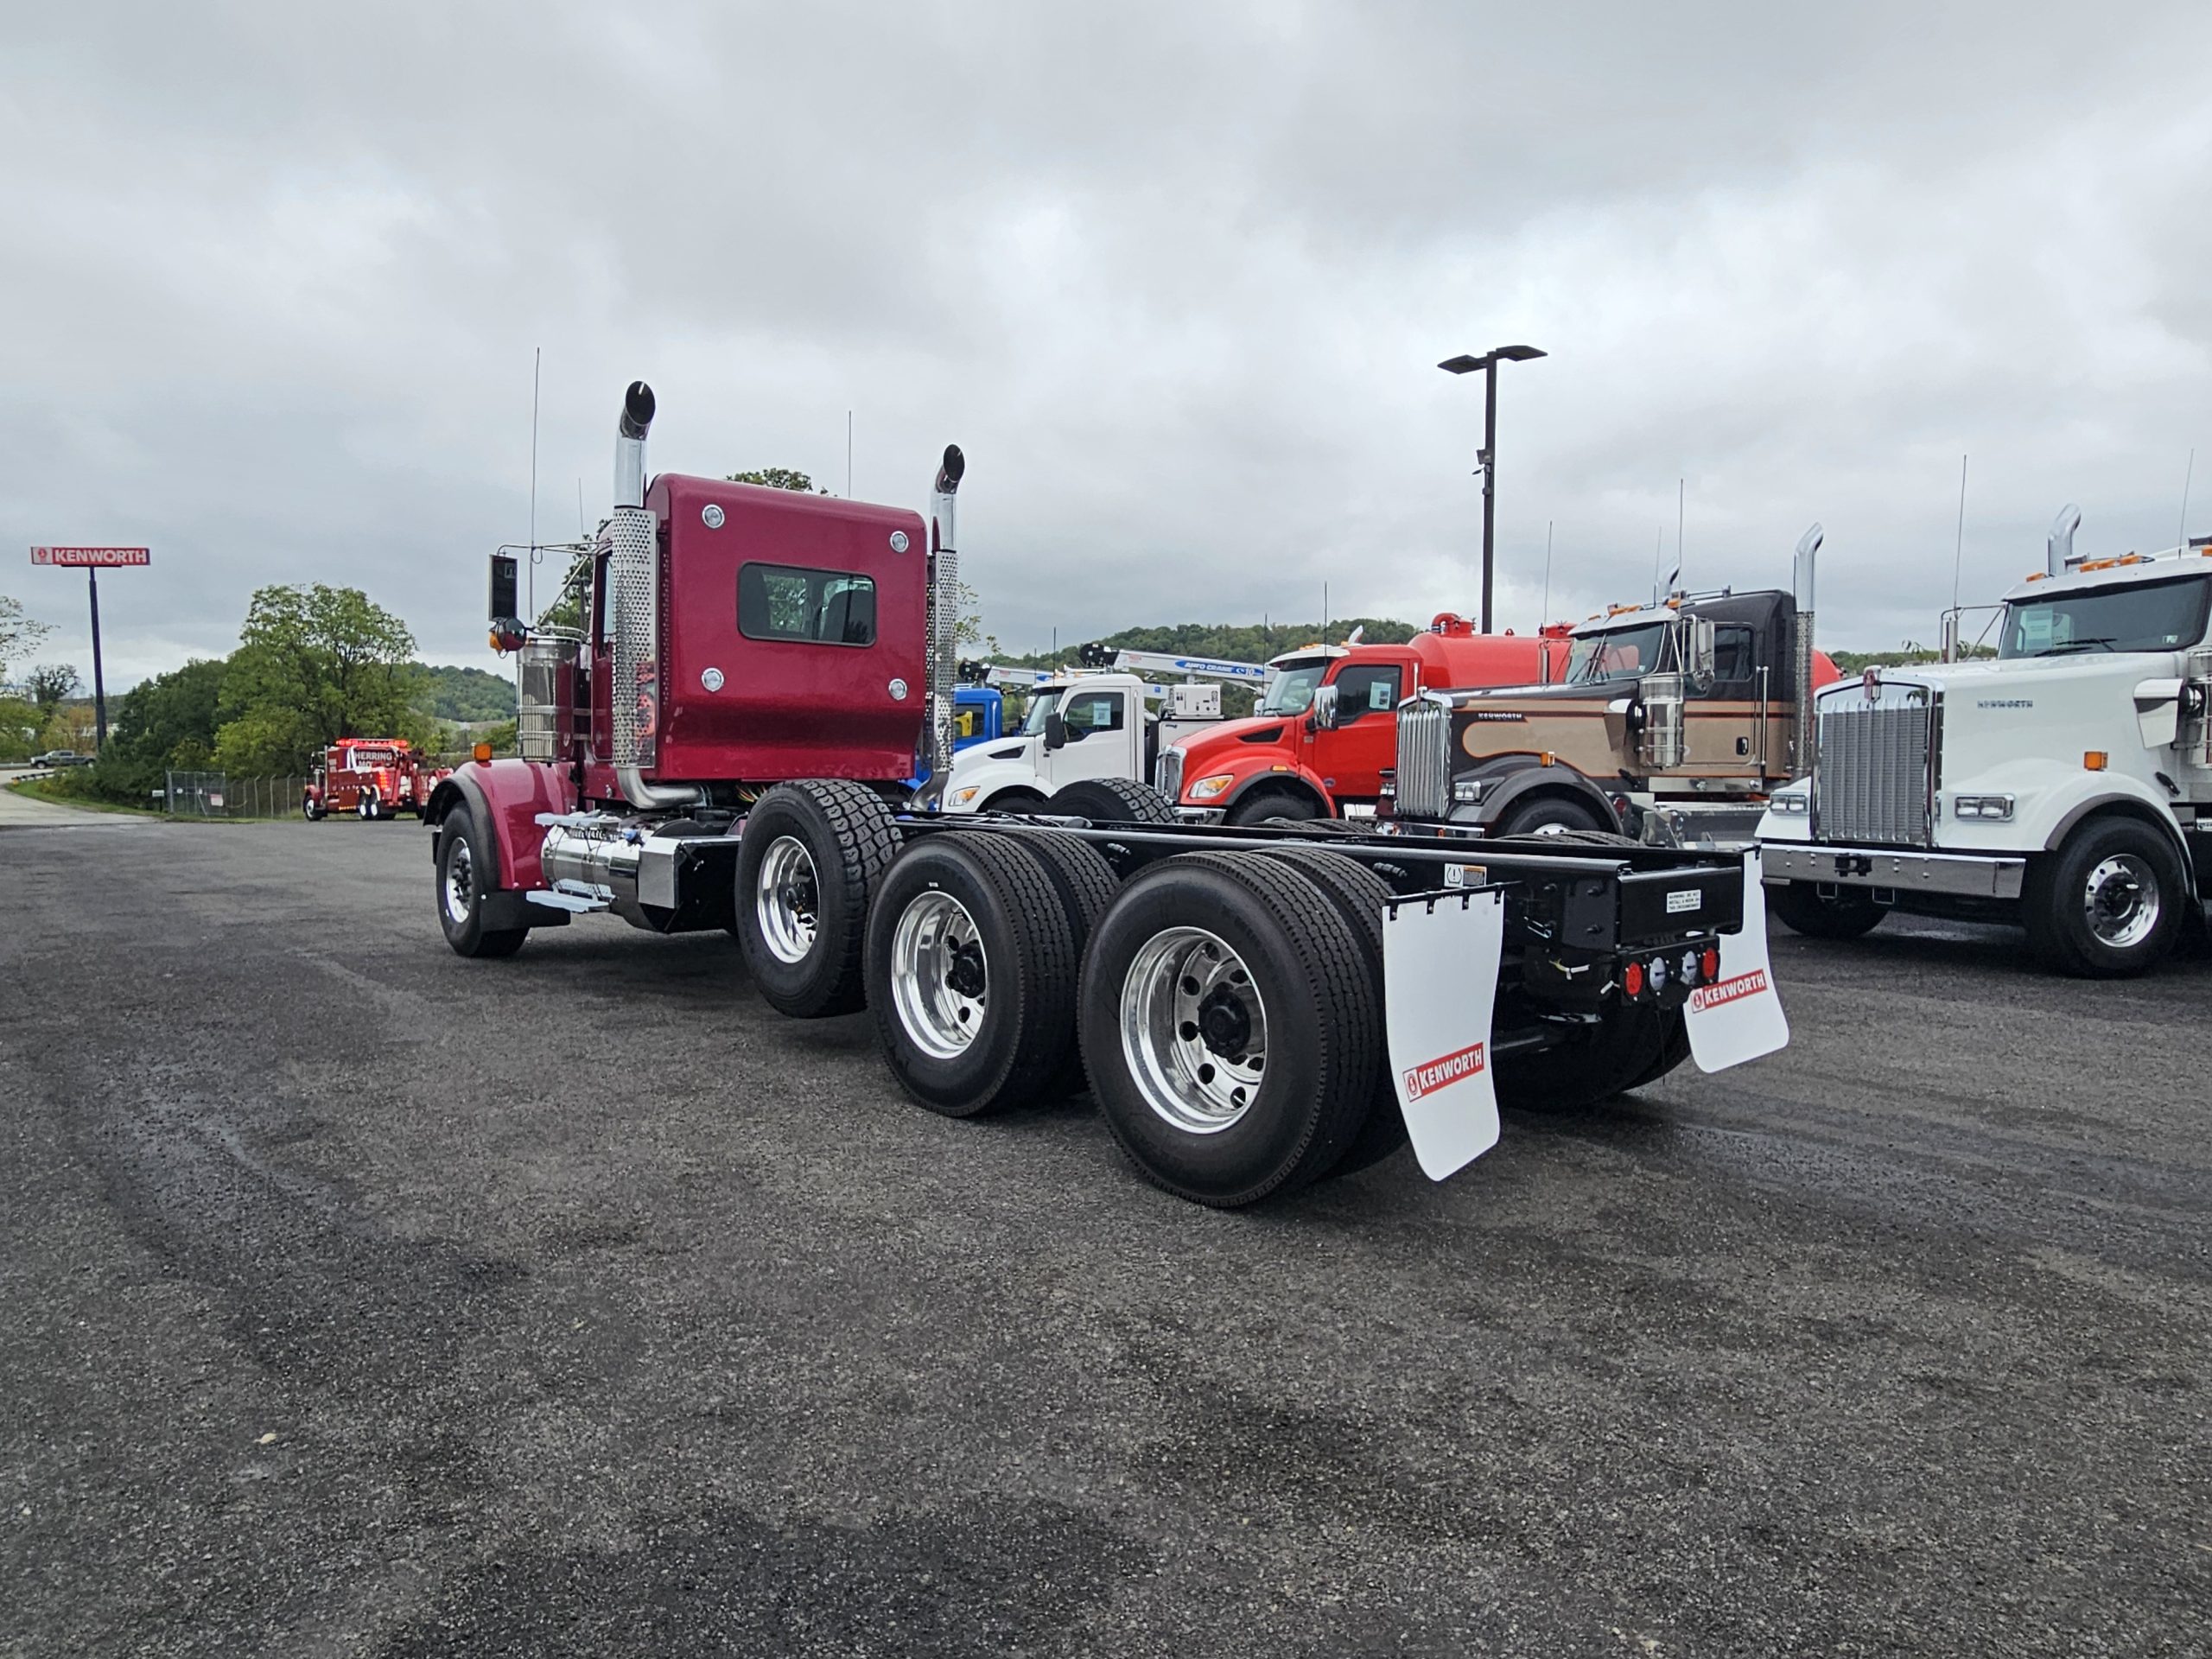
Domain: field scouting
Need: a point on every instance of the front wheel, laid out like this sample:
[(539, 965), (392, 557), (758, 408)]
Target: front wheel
[(312, 809), (1110, 800), (1844, 914), (466, 877), (1264, 805), (2109, 904), (1550, 815)]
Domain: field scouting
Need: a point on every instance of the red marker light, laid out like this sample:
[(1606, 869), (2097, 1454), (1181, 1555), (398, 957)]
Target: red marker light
[(1632, 979), (1711, 963)]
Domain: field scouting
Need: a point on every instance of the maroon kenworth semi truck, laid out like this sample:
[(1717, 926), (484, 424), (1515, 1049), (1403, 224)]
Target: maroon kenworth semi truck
[(722, 743)]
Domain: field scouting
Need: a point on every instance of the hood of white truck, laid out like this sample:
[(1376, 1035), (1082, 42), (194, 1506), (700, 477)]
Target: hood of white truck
[(2051, 732)]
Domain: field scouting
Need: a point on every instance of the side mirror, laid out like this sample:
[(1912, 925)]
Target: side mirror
[(1324, 714), (1056, 732), (1698, 651)]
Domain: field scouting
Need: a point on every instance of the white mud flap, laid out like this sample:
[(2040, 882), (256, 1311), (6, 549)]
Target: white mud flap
[(1440, 984), (1739, 1017)]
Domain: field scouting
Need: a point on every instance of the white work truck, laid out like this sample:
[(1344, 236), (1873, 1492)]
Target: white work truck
[(2065, 786), (1081, 726)]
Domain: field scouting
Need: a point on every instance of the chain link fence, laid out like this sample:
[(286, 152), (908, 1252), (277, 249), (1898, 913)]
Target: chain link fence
[(217, 794)]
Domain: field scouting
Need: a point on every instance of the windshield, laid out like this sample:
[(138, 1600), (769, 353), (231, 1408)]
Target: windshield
[(2157, 616), (1043, 703), (1292, 691), (1622, 654)]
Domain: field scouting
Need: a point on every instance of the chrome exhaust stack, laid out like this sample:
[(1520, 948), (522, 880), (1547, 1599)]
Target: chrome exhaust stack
[(944, 610), (633, 606), (1803, 570), (2058, 546)]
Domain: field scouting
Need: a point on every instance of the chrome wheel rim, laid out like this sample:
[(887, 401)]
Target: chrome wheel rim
[(1194, 1030), (940, 984), (2121, 901), (461, 883), (784, 899)]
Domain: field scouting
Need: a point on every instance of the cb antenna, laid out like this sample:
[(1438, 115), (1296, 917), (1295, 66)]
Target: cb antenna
[(537, 355), (2187, 478)]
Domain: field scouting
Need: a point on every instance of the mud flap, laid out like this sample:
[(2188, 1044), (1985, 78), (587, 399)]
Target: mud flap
[(1739, 1017), (1440, 984)]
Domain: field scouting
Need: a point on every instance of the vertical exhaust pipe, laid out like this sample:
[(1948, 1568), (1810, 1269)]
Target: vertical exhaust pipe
[(2059, 547), (633, 598), (943, 608), (1803, 570), (630, 445)]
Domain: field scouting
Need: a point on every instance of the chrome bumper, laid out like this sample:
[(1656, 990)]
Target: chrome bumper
[(1200, 814), (1978, 877)]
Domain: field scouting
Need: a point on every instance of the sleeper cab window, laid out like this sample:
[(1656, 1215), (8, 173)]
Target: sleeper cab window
[(820, 608)]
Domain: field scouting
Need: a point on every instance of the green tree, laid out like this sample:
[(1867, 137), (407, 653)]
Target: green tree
[(21, 723), (168, 721), (315, 664), (18, 632), (779, 477), (51, 683)]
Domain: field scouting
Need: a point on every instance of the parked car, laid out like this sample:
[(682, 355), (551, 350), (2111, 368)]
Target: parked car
[(61, 758)]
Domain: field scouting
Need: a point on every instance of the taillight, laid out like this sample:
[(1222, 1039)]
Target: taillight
[(1632, 979), (1710, 962)]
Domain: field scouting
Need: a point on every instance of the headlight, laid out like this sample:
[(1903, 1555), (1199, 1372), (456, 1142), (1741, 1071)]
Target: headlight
[(1472, 790), (961, 797), (1996, 808), (1207, 789), (1789, 805)]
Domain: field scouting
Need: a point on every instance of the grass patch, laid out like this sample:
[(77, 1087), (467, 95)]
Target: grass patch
[(43, 790)]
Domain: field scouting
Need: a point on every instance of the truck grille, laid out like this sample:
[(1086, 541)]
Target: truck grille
[(1167, 773), (1874, 775), (1424, 760)]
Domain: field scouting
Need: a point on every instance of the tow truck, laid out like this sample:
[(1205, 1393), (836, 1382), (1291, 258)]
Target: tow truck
[(1671, 723), (2065, 786), (722, 746), (370, 777)]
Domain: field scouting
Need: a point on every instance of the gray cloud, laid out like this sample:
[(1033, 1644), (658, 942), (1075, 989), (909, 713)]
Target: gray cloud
[(1176, 276)]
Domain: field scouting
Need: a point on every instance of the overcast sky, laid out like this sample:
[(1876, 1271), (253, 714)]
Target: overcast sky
[(1176, 276)]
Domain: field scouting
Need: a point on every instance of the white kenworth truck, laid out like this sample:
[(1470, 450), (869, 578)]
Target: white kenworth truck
[(2065, 786), (723, 745)]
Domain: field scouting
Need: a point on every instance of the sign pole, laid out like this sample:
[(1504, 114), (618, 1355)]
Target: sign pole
[(100, 681)]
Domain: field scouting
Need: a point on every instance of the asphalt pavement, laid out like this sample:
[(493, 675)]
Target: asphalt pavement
[(360, 1299)]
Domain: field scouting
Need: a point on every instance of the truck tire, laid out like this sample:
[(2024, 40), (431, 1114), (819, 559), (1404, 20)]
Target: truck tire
[(364, 806), (1019, 802), (1627, 1050), (1548, 814), (2109, 904), (1359, 895), (971, 973), (1230, 1027), (1109, 800), (312, 808), (1263, 804), (811, 856), (1847, 914), (1086, 884), (462, 876)]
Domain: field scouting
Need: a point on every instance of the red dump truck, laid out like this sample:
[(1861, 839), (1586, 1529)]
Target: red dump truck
[(724, 742)]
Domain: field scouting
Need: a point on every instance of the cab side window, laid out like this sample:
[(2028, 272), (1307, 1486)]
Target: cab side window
[(1733, 660), (1085, 712), (1367, 689)]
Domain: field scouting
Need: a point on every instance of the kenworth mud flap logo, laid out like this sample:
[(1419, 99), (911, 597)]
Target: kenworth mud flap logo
[(1728, 990), (1443, 1073)]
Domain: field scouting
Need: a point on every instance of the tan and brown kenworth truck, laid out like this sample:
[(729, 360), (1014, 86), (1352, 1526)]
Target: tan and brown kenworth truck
[(1672, 723)]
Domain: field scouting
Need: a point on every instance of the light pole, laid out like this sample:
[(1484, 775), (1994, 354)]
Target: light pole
[(1487, 363)]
